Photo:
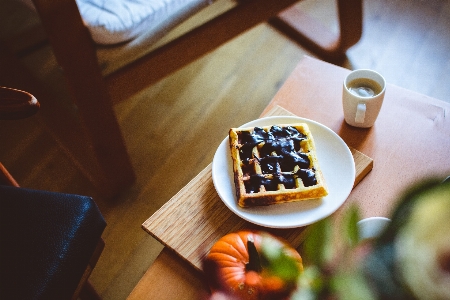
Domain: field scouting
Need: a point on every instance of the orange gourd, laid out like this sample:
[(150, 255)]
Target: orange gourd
[(237, 266)]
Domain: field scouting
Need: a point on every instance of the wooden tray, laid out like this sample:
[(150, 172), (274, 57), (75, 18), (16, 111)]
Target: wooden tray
[(192, 221)]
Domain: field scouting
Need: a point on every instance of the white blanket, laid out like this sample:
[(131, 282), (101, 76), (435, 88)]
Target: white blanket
[(115, 21)]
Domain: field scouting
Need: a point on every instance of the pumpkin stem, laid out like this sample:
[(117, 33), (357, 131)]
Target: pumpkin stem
[(254, 262)]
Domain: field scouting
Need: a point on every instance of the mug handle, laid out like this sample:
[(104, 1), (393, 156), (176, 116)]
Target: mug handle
[(360, 113)]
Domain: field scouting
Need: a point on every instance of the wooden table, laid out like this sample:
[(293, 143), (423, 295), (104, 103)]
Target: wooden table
[(410, 141)]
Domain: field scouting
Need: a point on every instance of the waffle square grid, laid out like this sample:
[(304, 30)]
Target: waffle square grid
[(275, 164)]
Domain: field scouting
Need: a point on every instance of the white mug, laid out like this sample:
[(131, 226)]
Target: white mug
[(362, 97), (371, 228)]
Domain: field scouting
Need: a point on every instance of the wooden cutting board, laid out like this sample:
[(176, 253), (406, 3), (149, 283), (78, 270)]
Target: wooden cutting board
[(195, 218)]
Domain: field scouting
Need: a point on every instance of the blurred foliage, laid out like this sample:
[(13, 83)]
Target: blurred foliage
[(346, 272)]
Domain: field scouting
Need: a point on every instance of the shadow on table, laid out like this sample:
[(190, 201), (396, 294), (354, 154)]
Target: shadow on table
[(354, 136)]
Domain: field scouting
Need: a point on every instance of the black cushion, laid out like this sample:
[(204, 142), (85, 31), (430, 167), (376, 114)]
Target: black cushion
[(46, 241)]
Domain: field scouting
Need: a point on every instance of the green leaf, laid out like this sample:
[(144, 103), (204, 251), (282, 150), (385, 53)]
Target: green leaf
[(351, 219), (277, 262), (285, 267), (317, 246), (310, 285), (351, 286)]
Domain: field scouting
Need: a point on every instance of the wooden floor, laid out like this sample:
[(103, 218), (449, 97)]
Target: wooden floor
[(173, 128)]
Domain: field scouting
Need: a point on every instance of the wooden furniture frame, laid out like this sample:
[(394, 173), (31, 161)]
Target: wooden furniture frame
[(107, 163), (17, 105), (319, 40)]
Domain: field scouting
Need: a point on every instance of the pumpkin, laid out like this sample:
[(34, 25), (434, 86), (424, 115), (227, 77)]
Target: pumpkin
[(242, 270)]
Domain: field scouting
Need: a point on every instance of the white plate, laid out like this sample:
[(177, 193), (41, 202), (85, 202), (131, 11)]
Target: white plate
[(335, 160)]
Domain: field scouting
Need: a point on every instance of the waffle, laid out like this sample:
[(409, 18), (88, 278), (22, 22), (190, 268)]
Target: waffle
[(275, 164)]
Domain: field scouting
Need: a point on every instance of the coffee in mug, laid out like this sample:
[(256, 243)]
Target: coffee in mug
[(364, 87)]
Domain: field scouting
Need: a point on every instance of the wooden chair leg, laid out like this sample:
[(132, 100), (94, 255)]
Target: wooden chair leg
[(318, 39)]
